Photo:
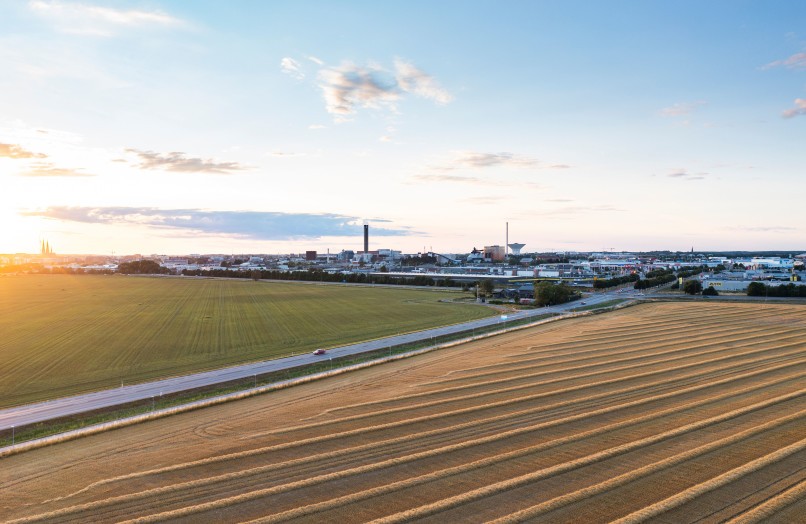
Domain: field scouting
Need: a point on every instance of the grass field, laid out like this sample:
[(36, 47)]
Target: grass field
[(67, 334), (660, 412)]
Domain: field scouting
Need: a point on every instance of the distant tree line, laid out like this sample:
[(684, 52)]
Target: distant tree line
[(759, 289), (693, 271), (664, 276), (616, 281), (655, 273), (142, 267), (317, 275), (657, 281)]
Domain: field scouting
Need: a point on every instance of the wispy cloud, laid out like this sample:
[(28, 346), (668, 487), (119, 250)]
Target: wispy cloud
[(80, 18), (17, 151), (483, 200), (763, 229), (567, 211), (796, 61), (257, 225), (798, 110), (683, 174), (285, 154), (46, 169), (178, 162), (350, 86), (681, 108), (415, 81), (292, 67), (448, 178), (476, 160)]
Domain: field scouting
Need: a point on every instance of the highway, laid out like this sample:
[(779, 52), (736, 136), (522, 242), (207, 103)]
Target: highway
[(66, 406)]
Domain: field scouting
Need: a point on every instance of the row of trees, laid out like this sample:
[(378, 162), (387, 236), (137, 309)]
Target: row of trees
[(317, 275), (655, 273), (759, 289), (142, 267), (657, 281), (616, 281), (695, 271)]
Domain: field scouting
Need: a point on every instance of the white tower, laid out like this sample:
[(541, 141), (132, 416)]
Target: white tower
[(516, 248)]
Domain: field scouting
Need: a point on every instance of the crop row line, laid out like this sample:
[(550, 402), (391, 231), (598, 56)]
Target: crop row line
[(563, 500), (117, 501), (526, 364), (772, 506), (704, 487), (525, 398), (431, 393)]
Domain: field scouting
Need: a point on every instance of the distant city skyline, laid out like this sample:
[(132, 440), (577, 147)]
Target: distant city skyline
[(279, 127)]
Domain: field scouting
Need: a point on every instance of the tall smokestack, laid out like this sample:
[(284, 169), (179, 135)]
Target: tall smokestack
[(366, 238)]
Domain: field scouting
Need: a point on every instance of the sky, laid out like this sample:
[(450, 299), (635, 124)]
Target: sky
[(174, 127)]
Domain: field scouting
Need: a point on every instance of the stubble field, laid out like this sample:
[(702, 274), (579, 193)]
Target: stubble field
[(665, 412), (64, 334)]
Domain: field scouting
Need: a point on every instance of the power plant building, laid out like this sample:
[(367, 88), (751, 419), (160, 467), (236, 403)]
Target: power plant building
[(494, 253)]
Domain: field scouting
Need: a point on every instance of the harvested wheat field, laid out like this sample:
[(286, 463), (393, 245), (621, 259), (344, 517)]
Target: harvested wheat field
[(662, 412)]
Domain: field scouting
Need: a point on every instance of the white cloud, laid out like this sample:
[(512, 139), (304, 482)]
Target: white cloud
[(798, 110), (349, 86), (315, 60), (476, 160), (449, 178), (763, 229), (17, 151), (413, 80), (178, 162), (47, 169), (95, 20), (292, 67), (683, 174), (681, 108), (796, 61)]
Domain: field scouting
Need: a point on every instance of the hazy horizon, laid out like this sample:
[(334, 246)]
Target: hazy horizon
[(175, 127)]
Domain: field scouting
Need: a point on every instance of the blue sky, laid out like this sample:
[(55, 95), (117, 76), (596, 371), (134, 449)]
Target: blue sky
[(190, 127)]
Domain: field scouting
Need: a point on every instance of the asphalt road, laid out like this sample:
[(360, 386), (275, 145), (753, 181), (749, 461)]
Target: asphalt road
[(66, 406)]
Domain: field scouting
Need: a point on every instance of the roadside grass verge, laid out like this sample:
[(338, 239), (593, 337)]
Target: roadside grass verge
[(601, 305)]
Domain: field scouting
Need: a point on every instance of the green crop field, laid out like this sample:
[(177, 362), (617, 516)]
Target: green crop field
[(62, 335)]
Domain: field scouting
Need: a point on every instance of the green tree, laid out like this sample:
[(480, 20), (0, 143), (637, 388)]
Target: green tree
[(142, 267), (550, 294), (710, 292), (692, 287), (756, 289), (486, 288)]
